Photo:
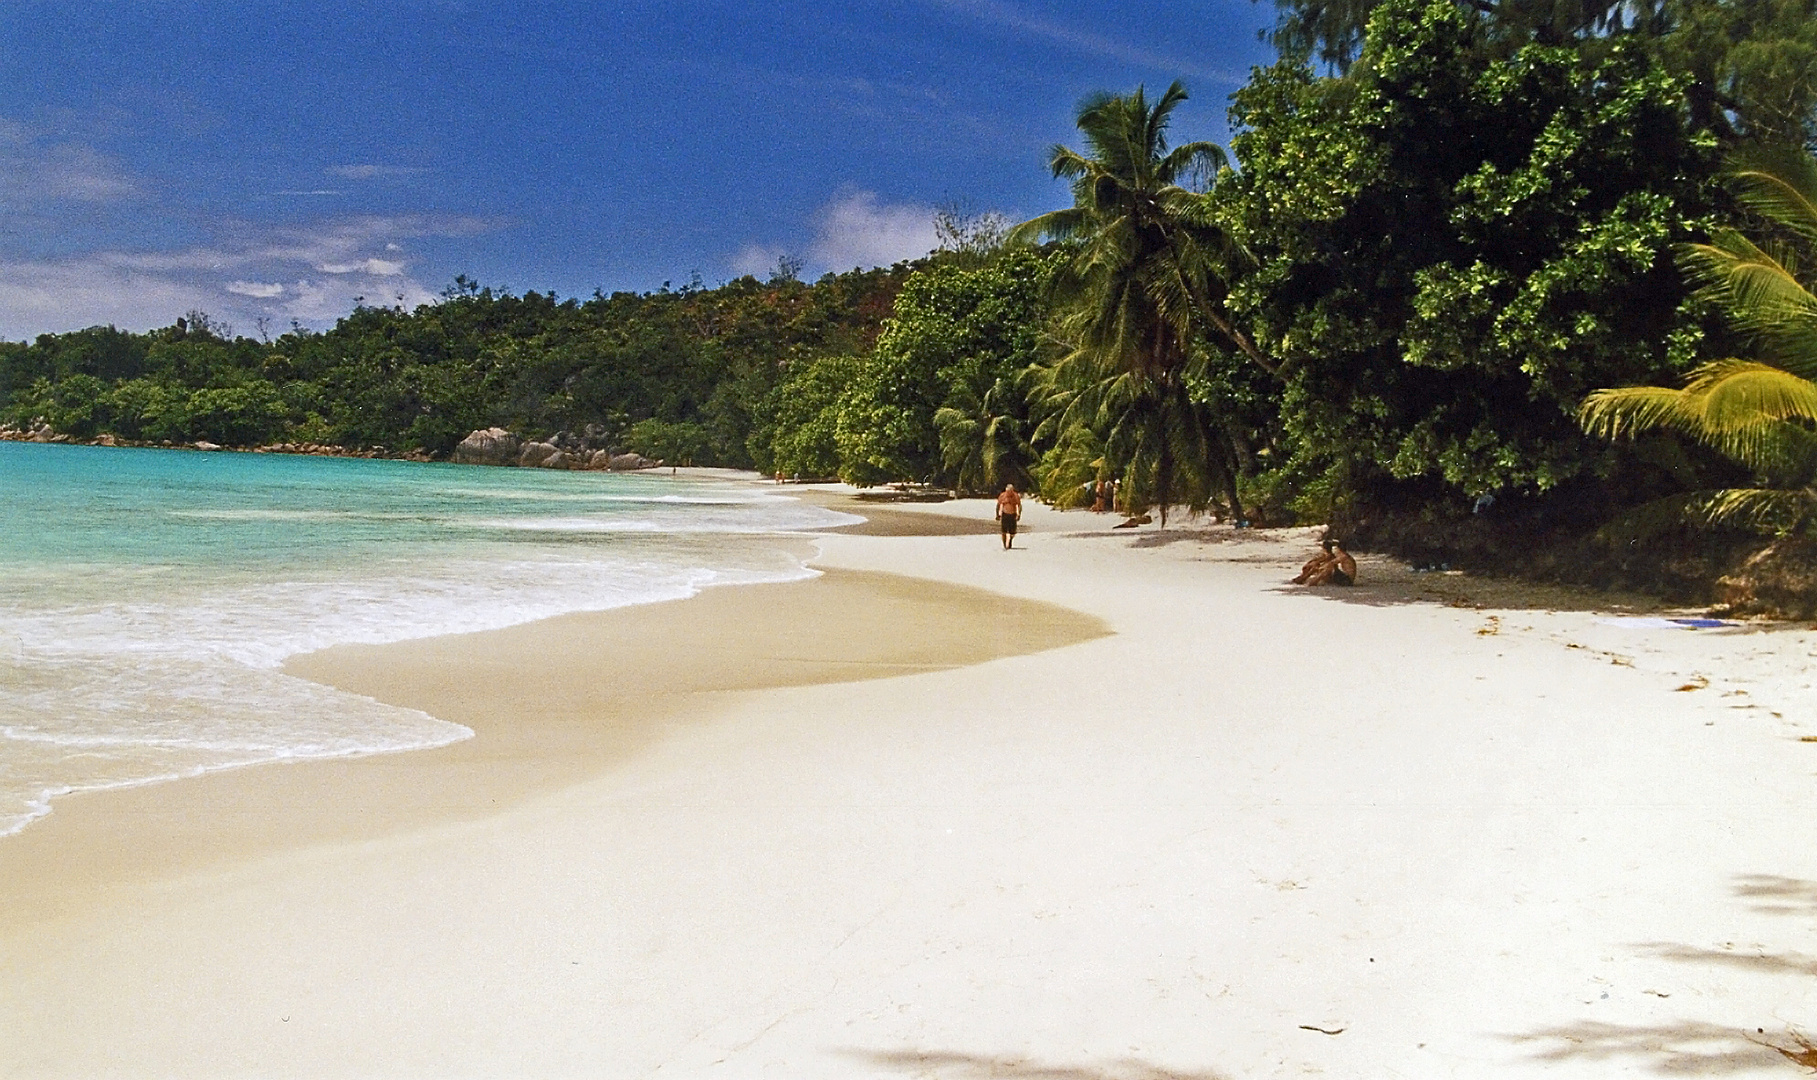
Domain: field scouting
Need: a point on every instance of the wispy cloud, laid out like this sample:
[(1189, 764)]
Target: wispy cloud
[(48, 296), (312, 274), (375, 267), (36, 170), (929, 112), (373, 172), (1010, 17)]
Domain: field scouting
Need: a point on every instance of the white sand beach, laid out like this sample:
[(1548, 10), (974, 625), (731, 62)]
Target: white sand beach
[(1112, 806)]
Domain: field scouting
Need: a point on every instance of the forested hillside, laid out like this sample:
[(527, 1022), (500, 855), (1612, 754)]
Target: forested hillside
[(682, 374), (1438, 227)]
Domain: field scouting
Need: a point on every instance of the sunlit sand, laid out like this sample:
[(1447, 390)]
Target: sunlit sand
[(1105, 806)]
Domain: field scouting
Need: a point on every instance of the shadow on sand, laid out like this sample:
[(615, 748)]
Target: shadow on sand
[(1386, 582), (1382, 581), (958, 1066), (1694, 1047), (1684, 1048)]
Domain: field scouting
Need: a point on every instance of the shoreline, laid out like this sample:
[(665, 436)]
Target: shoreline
[(668, 659), (1472, 840)]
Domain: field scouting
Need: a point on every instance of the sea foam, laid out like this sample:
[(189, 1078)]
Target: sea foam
[(148, 598)]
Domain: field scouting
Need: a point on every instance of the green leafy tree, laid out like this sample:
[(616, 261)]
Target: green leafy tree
[(1760, 413), (1748, 67), (805, 431), (423, 379), (674, 442), (244, 415), (1455, 242), (938, 399), (885, 420), (148, 409)]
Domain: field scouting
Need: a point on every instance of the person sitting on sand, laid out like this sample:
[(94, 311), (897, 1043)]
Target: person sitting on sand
[(1333, 566), (1009, 509)]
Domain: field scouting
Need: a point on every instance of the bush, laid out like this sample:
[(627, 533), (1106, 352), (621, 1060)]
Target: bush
[(676, 443)]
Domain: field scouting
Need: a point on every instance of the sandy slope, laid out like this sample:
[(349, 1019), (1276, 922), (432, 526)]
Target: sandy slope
[(1254, 832)]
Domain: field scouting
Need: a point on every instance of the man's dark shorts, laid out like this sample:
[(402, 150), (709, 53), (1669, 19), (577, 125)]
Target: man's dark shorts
[(1008, 523)]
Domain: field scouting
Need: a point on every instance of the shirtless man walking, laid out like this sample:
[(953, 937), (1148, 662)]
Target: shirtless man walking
[(1009, 510)]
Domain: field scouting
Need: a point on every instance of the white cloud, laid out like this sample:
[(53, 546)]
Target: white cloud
[(757, 260), (857, 230), (314, 275), (322, 300), (46, 297)]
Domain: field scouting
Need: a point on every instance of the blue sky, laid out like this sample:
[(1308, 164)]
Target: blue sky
[(276, 161)]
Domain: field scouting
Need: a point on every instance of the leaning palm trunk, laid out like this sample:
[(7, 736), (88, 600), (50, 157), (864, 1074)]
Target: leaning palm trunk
[(1139, 295)]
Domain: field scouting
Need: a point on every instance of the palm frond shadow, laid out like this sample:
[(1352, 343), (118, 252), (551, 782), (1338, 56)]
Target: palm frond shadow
[(1771, 963), (962, 1066), (1774, 895), (1684, 1048), (1693, 1047)]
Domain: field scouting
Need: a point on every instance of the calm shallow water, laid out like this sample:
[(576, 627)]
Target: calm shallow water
[(147, 597)]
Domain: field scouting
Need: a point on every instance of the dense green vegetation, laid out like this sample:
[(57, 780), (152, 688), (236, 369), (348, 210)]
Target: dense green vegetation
[(1760, 413), (686, 373), (1440, 225)]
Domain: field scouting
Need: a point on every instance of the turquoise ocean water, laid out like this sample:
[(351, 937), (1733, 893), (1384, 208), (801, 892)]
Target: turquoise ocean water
[(147, 597)]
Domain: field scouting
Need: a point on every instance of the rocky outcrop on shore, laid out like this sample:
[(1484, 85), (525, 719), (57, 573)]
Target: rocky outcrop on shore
[(42, 433), (1778, 581), (489, 446), (492, 446), (563, 450), (37, 431), (541, 455)]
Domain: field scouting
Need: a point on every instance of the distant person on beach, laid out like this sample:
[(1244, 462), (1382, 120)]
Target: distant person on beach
[(1333, 566), (1009, 510)]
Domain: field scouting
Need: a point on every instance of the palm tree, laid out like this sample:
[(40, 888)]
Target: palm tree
[(1156, 435), (1761, 413), (1150, 271), (1138, 295), (981, 438)]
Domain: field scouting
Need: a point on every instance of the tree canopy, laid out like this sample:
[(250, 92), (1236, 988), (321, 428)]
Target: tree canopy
[(1440, 224)]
